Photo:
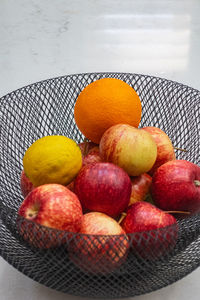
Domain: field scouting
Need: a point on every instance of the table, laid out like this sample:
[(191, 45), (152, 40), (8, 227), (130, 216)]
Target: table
[(44, 39)]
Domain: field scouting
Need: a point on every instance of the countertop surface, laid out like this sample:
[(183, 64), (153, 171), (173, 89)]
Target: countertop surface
[(41, 39)]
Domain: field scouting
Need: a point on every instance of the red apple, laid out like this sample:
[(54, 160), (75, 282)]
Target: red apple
[(103, 187), (176, 186), (165, 149), (130, 148), (94, 150), (91, 158), (25, 184), (53, 206), (155, 232), (86, 146), (140, 187), (102, 245)]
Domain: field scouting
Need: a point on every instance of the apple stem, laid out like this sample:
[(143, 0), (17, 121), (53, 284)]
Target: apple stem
[(123, 215), (184, 150), (85, 151), (177, 212), (197, 182)]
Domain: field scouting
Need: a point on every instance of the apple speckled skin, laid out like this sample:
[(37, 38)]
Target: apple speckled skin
[(103, 187), (176, 186), (53, 206)]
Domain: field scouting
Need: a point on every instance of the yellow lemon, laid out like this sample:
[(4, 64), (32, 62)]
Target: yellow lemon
[(52, 159)]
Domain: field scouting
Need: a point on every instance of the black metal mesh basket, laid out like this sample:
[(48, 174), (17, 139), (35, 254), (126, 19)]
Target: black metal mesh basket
[(104, 267)]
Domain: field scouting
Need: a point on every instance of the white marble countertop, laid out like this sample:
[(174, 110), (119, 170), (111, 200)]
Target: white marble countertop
[(40, 39)]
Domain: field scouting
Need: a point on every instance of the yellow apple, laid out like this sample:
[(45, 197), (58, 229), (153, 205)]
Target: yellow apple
[(130, 148)]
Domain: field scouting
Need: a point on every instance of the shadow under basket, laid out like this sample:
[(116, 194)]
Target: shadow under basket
[(83, 265)]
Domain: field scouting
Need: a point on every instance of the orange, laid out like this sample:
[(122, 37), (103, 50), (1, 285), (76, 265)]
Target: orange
[(103, 103)]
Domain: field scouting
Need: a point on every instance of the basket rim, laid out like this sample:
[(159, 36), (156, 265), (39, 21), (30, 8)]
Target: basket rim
[(96, 73)]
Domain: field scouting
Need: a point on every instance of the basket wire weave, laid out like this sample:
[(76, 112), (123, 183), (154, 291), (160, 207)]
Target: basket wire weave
[(46, 108)]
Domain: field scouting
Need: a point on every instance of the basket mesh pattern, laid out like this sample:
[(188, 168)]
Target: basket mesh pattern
[(94, 266)]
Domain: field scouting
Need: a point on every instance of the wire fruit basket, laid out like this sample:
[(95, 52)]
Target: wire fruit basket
[(98, 269)]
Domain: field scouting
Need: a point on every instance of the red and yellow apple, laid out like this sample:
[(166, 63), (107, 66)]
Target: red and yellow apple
[(165, 149), (25, 184), (94, 157), (91, 158), (176, 186), (86, 146), (140, 188), (94, 150), (153, 232), (53, 206), (103, 187), (102, 245), (130, 148)]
